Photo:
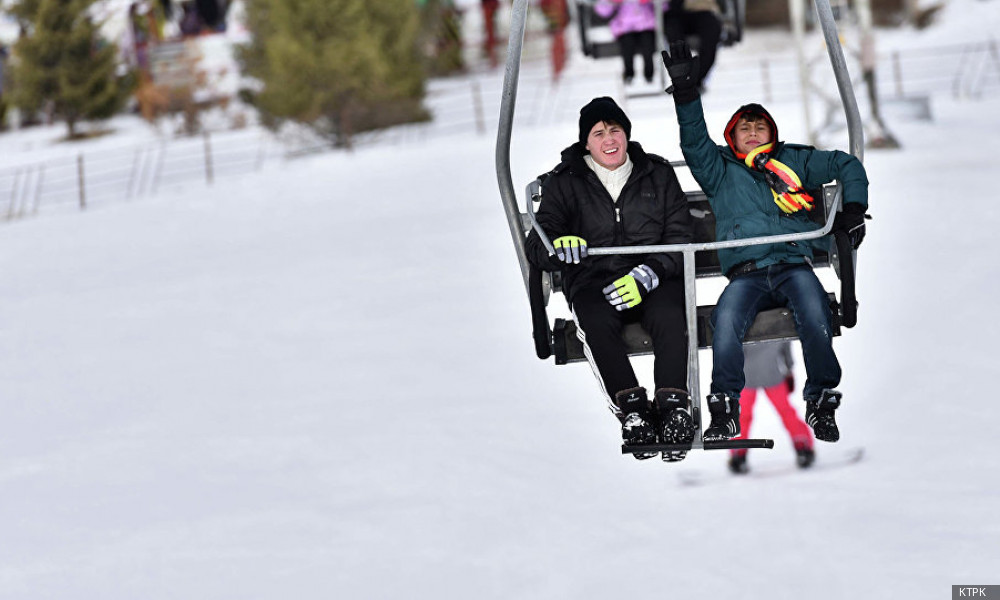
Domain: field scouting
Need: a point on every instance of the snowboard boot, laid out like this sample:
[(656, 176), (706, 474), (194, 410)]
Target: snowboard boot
[(637, 420), (738, 463), (725, 411), (819, 415), (804, 455), (673, 406)]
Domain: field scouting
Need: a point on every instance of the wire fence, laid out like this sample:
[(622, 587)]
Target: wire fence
[(961, 70), (459, 106), (470, 105), (94, 178)]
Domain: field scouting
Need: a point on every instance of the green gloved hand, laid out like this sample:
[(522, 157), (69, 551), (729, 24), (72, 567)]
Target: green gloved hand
[(628, 291), (570, 249)]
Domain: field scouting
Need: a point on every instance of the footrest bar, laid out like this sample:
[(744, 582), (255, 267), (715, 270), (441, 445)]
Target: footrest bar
[(723, 445)]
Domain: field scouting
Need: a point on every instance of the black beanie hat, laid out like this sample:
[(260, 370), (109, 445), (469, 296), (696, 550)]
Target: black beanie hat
[(602, 109)]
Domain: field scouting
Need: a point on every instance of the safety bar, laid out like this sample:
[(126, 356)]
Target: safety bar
[(695, 247)]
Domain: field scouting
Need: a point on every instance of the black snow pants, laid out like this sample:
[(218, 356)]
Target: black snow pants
[(705, 25), (643, 43), (661, 314)]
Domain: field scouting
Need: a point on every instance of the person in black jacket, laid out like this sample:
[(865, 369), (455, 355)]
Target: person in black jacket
[(607, 191)]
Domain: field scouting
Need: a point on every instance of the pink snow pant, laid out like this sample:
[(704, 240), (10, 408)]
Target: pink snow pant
[(778, 394)]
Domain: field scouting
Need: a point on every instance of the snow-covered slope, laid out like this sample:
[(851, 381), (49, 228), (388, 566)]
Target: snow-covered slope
[(318, 382)]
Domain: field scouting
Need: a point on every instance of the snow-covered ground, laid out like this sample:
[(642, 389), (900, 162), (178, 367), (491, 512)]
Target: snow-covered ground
[(318, 382)]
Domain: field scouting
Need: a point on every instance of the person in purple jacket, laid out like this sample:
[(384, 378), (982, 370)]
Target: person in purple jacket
[(633, 23)]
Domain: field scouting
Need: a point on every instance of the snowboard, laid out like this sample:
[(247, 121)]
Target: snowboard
[(769, 467)]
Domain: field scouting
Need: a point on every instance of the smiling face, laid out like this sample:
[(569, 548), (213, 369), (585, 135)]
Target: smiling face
[(748, 134), (608, 145)]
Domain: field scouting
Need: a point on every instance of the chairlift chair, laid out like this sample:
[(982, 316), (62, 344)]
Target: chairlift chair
[(558, 339)]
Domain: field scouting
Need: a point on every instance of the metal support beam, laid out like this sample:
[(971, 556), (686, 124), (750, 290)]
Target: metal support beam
[(694, 372), (518, 18)]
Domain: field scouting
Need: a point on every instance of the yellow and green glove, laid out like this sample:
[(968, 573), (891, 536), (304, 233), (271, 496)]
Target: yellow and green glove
[(570, 249), (628, 291)]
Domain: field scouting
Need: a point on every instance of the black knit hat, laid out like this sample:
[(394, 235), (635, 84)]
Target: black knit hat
[(602, 109)]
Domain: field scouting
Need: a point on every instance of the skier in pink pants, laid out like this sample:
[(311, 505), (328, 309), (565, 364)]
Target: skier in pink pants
[(769, 366)]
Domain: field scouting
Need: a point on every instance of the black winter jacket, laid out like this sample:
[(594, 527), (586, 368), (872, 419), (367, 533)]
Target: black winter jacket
[(650, 210)]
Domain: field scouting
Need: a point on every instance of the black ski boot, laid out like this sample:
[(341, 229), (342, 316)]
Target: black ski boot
[(725, 411), (738, 463), (804, 455), (673, 406), (637, 419), (819, 415)]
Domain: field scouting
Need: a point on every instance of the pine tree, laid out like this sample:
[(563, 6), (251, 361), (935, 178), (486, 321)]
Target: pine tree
[(24, 12), (441, 37), (342, 66), (63, 66)]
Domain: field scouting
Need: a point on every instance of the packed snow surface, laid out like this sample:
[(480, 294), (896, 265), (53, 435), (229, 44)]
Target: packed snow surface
[(317, 381)]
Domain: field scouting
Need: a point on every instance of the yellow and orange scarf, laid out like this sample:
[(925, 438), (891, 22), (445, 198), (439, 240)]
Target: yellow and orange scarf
[(785, 184)]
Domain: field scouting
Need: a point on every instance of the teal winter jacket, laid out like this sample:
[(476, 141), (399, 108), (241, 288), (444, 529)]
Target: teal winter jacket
[(741, 199)]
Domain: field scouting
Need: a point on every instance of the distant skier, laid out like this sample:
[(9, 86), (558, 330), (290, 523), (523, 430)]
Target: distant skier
[(607, 191), (490, 8), (633, 24), (556, 14), (768, 366), (757, 186)]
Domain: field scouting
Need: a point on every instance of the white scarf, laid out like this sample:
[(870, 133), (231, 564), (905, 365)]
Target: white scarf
[(613, 181)]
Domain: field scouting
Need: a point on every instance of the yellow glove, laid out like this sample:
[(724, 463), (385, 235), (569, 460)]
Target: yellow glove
[(570, 249), (628, 291)]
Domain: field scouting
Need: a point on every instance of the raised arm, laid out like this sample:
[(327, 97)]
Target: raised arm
[(700, 152)]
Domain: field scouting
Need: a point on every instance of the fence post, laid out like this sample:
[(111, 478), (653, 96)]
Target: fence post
[(208, 159), (991, 52), (81, 181), (897, 73), (13, 194), (38, 188), (154, 181), (129, 187), (25, 193), (765, 68), (477, 104)]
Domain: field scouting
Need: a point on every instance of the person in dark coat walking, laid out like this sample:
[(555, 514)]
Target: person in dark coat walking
[(607, 191), (699, 18)]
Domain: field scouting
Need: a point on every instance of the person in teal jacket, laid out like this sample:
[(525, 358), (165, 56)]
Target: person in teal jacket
[(757, 186)]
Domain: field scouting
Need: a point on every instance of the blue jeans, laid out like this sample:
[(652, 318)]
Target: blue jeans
[(794, 286)]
